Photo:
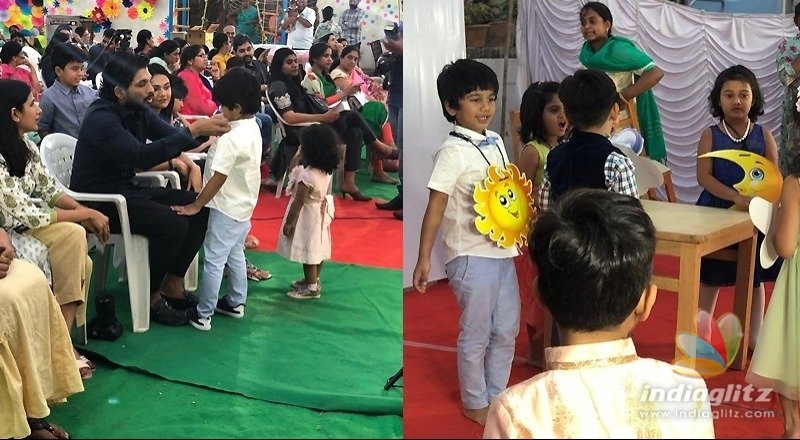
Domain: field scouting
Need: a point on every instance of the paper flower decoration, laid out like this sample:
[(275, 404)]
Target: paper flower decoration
[(145, 10), (112, 8), (68, 10), (98, 16), (133, 13), (163, 26), (127, 3), (150, 2)]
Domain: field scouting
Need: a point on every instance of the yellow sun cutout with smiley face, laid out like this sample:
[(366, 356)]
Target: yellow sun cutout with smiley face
[(504, 204)]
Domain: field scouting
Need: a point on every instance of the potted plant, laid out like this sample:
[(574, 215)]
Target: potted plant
[(498, 27), (477, 16)]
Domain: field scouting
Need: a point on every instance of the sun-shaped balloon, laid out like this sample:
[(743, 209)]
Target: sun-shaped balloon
[(504, 205), (762, 178)]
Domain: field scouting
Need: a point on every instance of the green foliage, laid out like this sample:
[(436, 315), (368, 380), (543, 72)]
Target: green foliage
[(477, 12)]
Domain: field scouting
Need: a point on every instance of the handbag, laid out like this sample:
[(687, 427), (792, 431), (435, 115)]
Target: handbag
[(315, 105)]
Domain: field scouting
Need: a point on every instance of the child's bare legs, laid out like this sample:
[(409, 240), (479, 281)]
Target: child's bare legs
[(311, 274), (791, 418), (757, 315), (708, 301), (476, 415)]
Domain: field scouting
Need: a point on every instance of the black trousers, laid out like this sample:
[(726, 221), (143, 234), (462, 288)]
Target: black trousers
[(354, 132), (174, 239)]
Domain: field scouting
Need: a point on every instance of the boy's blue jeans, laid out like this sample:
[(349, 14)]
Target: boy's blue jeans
[(224, 244), (488, 294)]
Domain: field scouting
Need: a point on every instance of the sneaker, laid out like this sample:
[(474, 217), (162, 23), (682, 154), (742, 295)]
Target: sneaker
[(197, 322), (303, 292), (162, 313), (302, 282), (227, 309)]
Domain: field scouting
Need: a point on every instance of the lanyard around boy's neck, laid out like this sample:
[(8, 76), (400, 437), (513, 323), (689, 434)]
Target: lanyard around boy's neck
[(477, 146)]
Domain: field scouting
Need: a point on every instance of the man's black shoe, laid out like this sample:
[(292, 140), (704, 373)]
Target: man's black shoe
[(162, 313), (392, 205)]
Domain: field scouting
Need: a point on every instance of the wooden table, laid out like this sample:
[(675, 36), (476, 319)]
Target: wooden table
[(690, 232)]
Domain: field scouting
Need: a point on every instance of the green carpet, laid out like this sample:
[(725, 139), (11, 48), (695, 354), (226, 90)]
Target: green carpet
[(119, 403), (332, 354), (383, 191)]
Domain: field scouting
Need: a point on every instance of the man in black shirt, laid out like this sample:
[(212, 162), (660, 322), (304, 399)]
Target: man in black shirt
[(112, 146)]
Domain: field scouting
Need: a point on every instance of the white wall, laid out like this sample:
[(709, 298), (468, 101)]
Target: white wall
[(426, 50)]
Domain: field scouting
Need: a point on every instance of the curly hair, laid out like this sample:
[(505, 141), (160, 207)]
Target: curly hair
[(319, 146)]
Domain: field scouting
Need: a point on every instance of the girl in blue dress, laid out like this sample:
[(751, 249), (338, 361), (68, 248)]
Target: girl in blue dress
[(737, 101)]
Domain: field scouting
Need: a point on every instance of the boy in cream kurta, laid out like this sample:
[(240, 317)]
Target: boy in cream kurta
[(594, 277)]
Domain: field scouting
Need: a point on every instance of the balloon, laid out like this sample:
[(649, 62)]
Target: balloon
[(37, 12), (35, 31), (4, 15)]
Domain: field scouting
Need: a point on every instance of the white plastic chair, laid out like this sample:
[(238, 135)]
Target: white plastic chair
[(57, 151)]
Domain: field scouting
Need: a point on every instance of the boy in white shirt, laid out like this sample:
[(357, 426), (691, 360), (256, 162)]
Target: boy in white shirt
[(481, 273), (232, 178), (594, 249)]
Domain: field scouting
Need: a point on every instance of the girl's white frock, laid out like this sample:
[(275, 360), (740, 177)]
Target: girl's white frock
[(311, 242)]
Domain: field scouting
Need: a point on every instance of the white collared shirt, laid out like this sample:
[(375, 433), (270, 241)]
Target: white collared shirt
[(236, 154), (458, 166)]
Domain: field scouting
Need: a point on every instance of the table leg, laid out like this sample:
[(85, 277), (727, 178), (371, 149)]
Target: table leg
[(743, 295), (688, 293)]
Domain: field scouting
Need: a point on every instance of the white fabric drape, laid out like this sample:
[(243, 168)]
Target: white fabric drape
[(691, 47), (433, 37)]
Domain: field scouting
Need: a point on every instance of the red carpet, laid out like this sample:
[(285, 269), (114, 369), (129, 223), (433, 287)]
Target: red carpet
[(432, 409), (361, 233)]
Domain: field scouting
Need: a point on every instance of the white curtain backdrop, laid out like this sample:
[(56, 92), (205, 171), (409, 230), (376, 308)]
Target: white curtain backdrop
[(433, 36), (691, 47)]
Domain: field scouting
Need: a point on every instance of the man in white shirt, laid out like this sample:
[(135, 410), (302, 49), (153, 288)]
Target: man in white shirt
[(299, 23)]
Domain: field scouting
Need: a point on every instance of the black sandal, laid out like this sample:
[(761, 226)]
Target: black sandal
[(43, 425)]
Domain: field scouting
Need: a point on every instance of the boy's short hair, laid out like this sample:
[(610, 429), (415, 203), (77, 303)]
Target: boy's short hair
[(64, 54), (594, 250), (460, 78), (588, 97), (239, 86), (234, 62)]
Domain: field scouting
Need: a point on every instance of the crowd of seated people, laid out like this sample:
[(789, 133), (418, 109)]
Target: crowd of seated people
[(77, 81)]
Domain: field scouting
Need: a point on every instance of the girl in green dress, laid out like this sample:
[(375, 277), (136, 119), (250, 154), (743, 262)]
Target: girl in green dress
[(776, 359), (632, 70)]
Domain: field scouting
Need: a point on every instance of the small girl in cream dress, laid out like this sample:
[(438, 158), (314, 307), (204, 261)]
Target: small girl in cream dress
[(305, 232)]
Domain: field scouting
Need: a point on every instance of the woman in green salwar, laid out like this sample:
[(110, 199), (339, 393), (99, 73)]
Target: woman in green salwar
[(632, 70)]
